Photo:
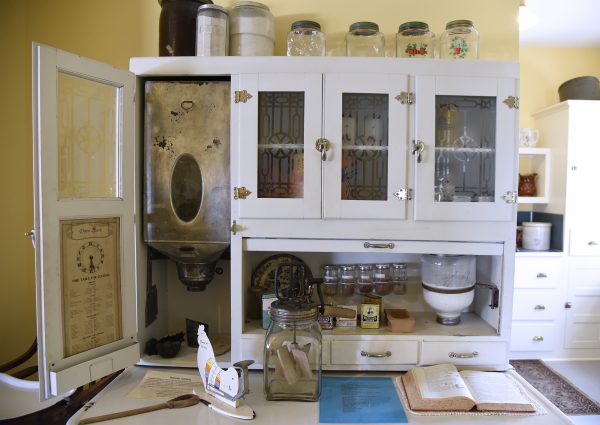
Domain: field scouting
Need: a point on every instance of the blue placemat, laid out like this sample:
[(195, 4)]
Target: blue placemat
[(359, 400)]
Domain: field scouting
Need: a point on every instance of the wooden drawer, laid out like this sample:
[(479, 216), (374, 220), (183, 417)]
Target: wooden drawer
[(374, 352), (474, 353), (532, 337), (532, 304), (538, 272), (585, 242)]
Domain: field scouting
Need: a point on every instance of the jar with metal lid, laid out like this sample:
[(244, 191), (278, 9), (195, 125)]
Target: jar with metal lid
[(212, 31), (177, 27), (364, 39), (365, 278), (399, 278), (305, 39), (414, 40), (292, 352), (459, 41), (381, 279), (347, 279), (251, 30), (330, 279)]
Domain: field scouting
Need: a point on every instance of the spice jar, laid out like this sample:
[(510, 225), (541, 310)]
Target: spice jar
[(212, 31), (364, 39), (365, 278), (381, 279), (347, 280), (305, 39), (330, 279), (459, 41), (251, 30), (292, 352), (177, 27), (399, 277), (414, 40)]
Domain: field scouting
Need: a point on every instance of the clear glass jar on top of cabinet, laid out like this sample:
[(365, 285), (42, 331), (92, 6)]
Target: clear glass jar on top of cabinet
[(364, 39), (414, 40), (305, 39), (459, 41), (293, 353), (212, 31)]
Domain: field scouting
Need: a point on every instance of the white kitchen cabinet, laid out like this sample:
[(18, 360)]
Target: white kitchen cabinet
[(320, 226), (538, 161)]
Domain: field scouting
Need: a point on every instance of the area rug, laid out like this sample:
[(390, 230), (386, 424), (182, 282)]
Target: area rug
[(555, 388)]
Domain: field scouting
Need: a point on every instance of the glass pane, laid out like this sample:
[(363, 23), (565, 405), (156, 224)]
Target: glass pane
[(364, 146), (91, 283), (280, 145), (465, 149), (87, 120)]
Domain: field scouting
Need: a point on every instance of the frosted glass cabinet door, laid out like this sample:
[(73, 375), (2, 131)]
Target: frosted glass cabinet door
[(277, 130), (84, 219), (465, 139)]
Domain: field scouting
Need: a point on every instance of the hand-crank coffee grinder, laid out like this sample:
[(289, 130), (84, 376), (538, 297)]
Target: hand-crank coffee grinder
[(292, 354)]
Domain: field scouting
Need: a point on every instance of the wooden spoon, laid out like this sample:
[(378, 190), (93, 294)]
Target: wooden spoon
[(175, 403)]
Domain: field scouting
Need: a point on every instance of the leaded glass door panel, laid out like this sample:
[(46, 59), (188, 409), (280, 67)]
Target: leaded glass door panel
[(365, 169), (278, 127), (464, 141)]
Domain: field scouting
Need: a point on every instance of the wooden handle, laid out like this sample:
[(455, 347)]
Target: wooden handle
[(339, 312), (117, 415)]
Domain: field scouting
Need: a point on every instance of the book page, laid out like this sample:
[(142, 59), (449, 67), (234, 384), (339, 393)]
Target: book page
[(440, 381), (493, 387)]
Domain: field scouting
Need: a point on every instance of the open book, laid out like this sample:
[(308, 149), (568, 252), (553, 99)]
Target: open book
[(443, 388)]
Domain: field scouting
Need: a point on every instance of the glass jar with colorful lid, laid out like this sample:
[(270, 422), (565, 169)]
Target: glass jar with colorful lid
[(414, 40), (364, 39), (305, 39), (460, 40)]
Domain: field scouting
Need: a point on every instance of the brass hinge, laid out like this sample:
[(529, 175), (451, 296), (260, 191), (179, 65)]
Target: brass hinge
[(240, 192), (406, 98), (404, 194), (242, 96), (510, 197), (234, 227), (512, 102)]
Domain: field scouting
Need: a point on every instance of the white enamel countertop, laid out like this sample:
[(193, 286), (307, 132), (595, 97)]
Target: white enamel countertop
[(114, 398)]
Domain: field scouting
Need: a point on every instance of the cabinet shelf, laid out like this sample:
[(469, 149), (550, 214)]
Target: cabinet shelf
[(536, 160)]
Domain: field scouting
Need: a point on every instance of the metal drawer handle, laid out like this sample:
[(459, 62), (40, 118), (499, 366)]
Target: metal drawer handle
[(541, 275), (538, 338), (389, 245), (378, 355), (592, 243), (454, 355), (540, 307)]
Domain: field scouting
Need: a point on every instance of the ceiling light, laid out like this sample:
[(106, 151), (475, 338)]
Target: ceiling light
[(527, 18)]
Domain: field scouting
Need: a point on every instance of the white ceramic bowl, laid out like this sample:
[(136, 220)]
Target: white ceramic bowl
[(448, 306)]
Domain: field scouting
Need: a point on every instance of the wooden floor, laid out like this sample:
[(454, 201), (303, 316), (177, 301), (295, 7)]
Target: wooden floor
[(585, 375)]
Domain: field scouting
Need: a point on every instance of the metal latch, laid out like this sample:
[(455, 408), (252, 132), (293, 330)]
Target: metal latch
[(404, 194), (511, 102), (240, 192), (510, 197), (495, 301), (406, 98), (242, 96), (322, 145), (418, 148)]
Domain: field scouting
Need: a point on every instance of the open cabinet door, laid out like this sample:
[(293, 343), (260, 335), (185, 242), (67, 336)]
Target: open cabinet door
[(84, 166)]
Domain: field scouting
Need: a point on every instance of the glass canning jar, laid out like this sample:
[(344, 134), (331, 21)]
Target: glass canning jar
[(251, 29), (347, 279), (330, 279), (212, 31), (399, 277), (414, 40), (364, 39), (381, 279), (365, 278), (459, 41), (305, 39), (293, 353)]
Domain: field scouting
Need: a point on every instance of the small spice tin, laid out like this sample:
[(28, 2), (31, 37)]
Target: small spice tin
[(369, 316)]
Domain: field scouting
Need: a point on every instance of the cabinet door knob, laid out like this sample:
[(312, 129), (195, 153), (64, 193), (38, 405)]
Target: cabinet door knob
[(378, 355), (541, 275), (418, 148), (568, 304), (537, 338), (31, 234), (454, 355), (322, 145), (592, 243), (540, 307)]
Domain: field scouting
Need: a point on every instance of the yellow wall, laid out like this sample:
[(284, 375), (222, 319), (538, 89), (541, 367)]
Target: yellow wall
[(543, 70), (112, 31)]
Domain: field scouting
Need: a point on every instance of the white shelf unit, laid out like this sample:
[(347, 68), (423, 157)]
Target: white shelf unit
[(536, 160)]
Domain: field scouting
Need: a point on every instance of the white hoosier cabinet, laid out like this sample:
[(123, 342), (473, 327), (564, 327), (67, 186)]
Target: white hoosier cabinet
[(332, 160)]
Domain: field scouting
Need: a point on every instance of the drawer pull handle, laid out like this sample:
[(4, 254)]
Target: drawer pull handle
[(454, 355), (541, 275), (378, 355), (389, 245), (540, 307), (592, 243), (538, 338)]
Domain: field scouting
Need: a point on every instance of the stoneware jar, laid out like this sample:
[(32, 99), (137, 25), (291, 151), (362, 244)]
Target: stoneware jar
[(527, 184)]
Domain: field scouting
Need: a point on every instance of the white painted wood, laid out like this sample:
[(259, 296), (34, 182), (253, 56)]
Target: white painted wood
[(536, 160), (583, 318), (426, 208), (359, 352), (49, 209), (476, 353), (534, 304), (335, 86), (538, 272), (533, 336)]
